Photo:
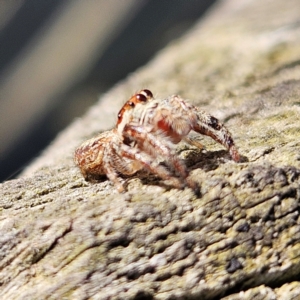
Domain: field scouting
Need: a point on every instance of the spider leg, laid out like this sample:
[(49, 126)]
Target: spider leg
[(148, 163), (113, 176), (208, 125), (176, 118), (152, 145)]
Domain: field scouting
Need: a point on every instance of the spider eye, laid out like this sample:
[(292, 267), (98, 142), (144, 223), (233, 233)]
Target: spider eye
[(141, 97), (148, 93), (130, 103), (119, 115)]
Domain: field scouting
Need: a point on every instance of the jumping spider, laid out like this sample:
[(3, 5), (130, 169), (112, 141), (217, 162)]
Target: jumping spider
[(145, 132)]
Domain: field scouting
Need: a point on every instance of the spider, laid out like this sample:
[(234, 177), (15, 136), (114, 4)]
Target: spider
[(146, 130)]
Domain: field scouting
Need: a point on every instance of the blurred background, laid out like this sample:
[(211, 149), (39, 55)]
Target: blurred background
[(57, 57)]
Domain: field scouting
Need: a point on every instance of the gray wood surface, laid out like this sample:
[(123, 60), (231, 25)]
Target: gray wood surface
[(64, 238)]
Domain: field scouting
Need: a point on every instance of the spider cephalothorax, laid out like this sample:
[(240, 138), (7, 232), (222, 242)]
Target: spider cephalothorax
[(146, 130)]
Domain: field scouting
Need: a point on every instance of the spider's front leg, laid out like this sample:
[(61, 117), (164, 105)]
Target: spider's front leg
[(206, 124), (177, 117), (152, 147)]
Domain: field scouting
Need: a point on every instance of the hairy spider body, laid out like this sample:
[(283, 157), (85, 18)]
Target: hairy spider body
[(146, 131), (174, 118), (107, 154)]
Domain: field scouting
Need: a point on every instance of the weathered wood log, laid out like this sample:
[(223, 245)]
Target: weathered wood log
[(64, 238)]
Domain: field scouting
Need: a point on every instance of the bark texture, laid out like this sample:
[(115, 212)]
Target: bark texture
[(64, 238)]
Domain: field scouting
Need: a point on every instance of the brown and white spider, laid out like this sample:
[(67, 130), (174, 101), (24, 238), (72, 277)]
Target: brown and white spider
[(145, 133)]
